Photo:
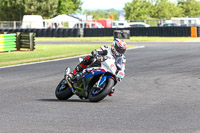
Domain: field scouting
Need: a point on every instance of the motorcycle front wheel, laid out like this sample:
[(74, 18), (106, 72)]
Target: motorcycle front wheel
[(63, 91), (98, 94)]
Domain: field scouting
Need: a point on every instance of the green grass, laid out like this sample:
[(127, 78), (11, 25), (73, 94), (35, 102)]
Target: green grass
[(45, 52), (110, 39), (86, 39), (49, 52)]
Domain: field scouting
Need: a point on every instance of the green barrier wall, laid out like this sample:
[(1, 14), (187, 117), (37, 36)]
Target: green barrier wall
[(7, 42)]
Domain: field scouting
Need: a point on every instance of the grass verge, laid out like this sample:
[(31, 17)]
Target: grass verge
[(45, 52), (110, 39)]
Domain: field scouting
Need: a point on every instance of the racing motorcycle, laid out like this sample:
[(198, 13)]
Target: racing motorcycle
[(94, 82)]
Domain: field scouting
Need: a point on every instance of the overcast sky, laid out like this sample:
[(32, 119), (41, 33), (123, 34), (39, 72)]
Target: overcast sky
[(103, 4)]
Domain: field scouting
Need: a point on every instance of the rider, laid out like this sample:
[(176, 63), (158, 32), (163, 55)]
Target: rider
[(118, 48)]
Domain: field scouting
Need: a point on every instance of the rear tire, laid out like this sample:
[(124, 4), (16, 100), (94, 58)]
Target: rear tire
[(63, 91), (101, 95)]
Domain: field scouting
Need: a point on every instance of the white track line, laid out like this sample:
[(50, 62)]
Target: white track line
[(58, 59)]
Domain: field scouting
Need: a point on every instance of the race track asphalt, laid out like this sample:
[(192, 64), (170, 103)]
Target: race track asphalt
[(160, 94)]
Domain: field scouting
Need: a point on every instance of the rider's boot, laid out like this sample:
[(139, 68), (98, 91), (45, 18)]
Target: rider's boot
[(77, 69), (112, 91)]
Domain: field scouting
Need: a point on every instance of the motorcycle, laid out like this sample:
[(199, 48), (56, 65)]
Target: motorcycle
[(94, 82)]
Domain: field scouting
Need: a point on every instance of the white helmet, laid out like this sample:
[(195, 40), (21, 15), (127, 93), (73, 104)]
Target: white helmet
[(118, 46)]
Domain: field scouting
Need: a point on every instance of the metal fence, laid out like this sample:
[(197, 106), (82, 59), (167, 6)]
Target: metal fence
[(10, 24), (34, 24)]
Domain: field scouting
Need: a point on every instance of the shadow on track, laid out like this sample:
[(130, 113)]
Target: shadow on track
[(69, 100)]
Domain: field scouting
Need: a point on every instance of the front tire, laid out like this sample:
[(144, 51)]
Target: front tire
[(63, 91), (101, 94)]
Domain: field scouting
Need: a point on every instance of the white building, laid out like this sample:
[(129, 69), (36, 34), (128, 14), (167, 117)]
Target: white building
[(62, 21)]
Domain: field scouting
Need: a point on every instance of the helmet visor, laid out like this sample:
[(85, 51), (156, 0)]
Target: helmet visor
[(120, 50)]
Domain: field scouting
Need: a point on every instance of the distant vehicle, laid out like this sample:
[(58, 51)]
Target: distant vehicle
[(120, 24), (107, 23), (32, 21), (138, 24), (88, 25), (99, 25), (169, 24)]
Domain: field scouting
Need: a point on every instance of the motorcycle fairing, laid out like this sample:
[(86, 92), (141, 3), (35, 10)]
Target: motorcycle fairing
[(102, 80), (120, 74), (94, 72)]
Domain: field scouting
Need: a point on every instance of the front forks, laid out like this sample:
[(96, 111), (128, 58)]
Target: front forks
[(70, 85), (67, 71)]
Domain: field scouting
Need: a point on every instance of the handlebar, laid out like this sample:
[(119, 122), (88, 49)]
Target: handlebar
[(102, 58)]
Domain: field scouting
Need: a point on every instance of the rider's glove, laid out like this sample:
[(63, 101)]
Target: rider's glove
[(100, 58), (105, 58), (94, 53)]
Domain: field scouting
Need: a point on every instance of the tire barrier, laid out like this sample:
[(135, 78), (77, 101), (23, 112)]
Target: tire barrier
[(25, 41), (101, 32), (142, 31), (198, 31), (121, 34), (16, 41), (161, 31), (7, 42), (62, 32), (96, 32)]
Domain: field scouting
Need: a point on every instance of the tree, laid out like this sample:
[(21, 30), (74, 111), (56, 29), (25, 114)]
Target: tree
[(45, 8), (68, 6), (166, 9), (103, 14), (137, 10), (145, 9), (11, 10), (190, 7), (14, 10)]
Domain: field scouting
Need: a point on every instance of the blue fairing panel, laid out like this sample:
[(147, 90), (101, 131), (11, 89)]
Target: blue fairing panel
[(93, 73), (103, 79)]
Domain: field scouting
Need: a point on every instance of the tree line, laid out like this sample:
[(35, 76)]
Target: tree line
[(151, 9), (161, 9), (14, 10), (103, 14)]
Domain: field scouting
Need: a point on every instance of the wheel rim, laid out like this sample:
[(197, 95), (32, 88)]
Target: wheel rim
[(98, 90), (62, 87)]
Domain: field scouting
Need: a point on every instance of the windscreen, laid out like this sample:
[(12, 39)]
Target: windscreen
[(118, 62)]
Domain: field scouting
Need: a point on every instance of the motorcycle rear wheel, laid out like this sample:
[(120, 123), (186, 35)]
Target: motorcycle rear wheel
[(63, 91), (103, 93)]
